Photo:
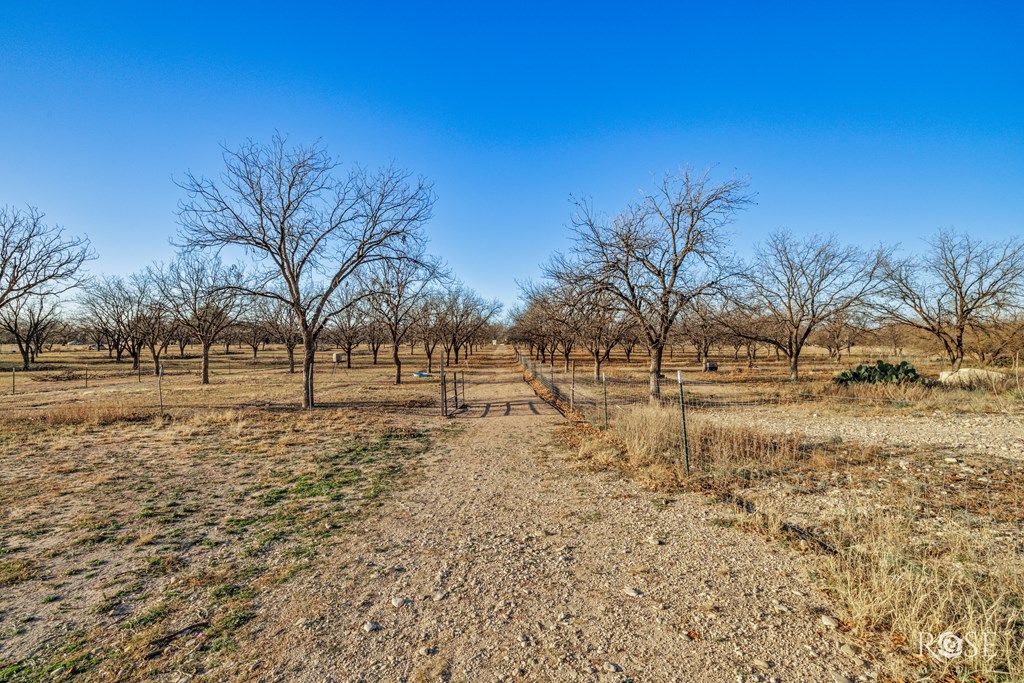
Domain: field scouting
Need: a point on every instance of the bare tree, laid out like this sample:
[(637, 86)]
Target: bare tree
[(374, 334), (660, 253), (394, 289), (154, 324), (794, 286), (309, 229), (428, 325), (961, 282), (36, 258), (114, 305), (1000, 337), (204, 297), (839, 334), (463, 314), (603, 327), (252, 328), (28, 320), (701, 324), (348, 329), (280, 323), (100, 315)]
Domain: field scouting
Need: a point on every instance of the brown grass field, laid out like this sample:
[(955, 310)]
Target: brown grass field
[(134, 542), (916, 533), (137, 543)]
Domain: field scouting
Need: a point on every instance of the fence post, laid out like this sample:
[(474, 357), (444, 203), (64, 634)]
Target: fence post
[(160, 387), (14, 389), (604, 384), (455, 387), (682, 413), (440, 388), (572, 390), (87, 378)]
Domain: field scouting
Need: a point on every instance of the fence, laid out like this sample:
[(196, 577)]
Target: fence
[(451, 400), (236, 383), (911, 501)]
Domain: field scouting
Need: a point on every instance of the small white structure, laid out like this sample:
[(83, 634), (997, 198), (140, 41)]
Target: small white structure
[(337, 357)]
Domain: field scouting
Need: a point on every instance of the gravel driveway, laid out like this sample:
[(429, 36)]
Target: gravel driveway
[(503, 562)]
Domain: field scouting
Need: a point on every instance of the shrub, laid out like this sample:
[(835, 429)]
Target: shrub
[(880, 373)]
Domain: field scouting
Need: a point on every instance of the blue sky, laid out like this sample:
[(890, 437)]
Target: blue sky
[(874, 121)]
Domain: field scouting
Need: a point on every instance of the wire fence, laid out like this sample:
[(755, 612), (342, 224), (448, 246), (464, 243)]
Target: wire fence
[(237, 382), (916, 513)]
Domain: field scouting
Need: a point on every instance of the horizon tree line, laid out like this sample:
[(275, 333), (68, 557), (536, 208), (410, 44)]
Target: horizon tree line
[(341, 256), (659, 273)]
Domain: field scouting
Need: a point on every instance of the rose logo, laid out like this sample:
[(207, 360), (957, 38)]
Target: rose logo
[(949, 645)]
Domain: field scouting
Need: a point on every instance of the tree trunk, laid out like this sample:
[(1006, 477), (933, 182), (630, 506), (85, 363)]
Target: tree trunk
[(398, 363), (794, 366), (206, 364), (430, 361), (956, 354), (597, 365), (308, 356), (655, 370), (291, 358)]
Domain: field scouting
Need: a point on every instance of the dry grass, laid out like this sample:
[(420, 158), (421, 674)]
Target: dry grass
[(911, 548), (768, 383), (1005, 397), (652, 437), (897, 578), (134, 544), (106, 413), (235, 381)]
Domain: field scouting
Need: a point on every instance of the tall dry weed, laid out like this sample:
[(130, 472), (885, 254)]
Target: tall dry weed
[(896, 571), (916, 585)]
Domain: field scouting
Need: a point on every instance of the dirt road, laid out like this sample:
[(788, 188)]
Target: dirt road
[(504, 562)]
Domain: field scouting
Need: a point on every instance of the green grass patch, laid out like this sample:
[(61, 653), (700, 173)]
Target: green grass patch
[(16, 571)]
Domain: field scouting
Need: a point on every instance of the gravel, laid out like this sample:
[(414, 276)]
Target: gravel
[(483, 530)]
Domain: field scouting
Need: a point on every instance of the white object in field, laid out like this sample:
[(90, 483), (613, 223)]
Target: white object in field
[(494, 342), (971, 377), (337, 357)]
